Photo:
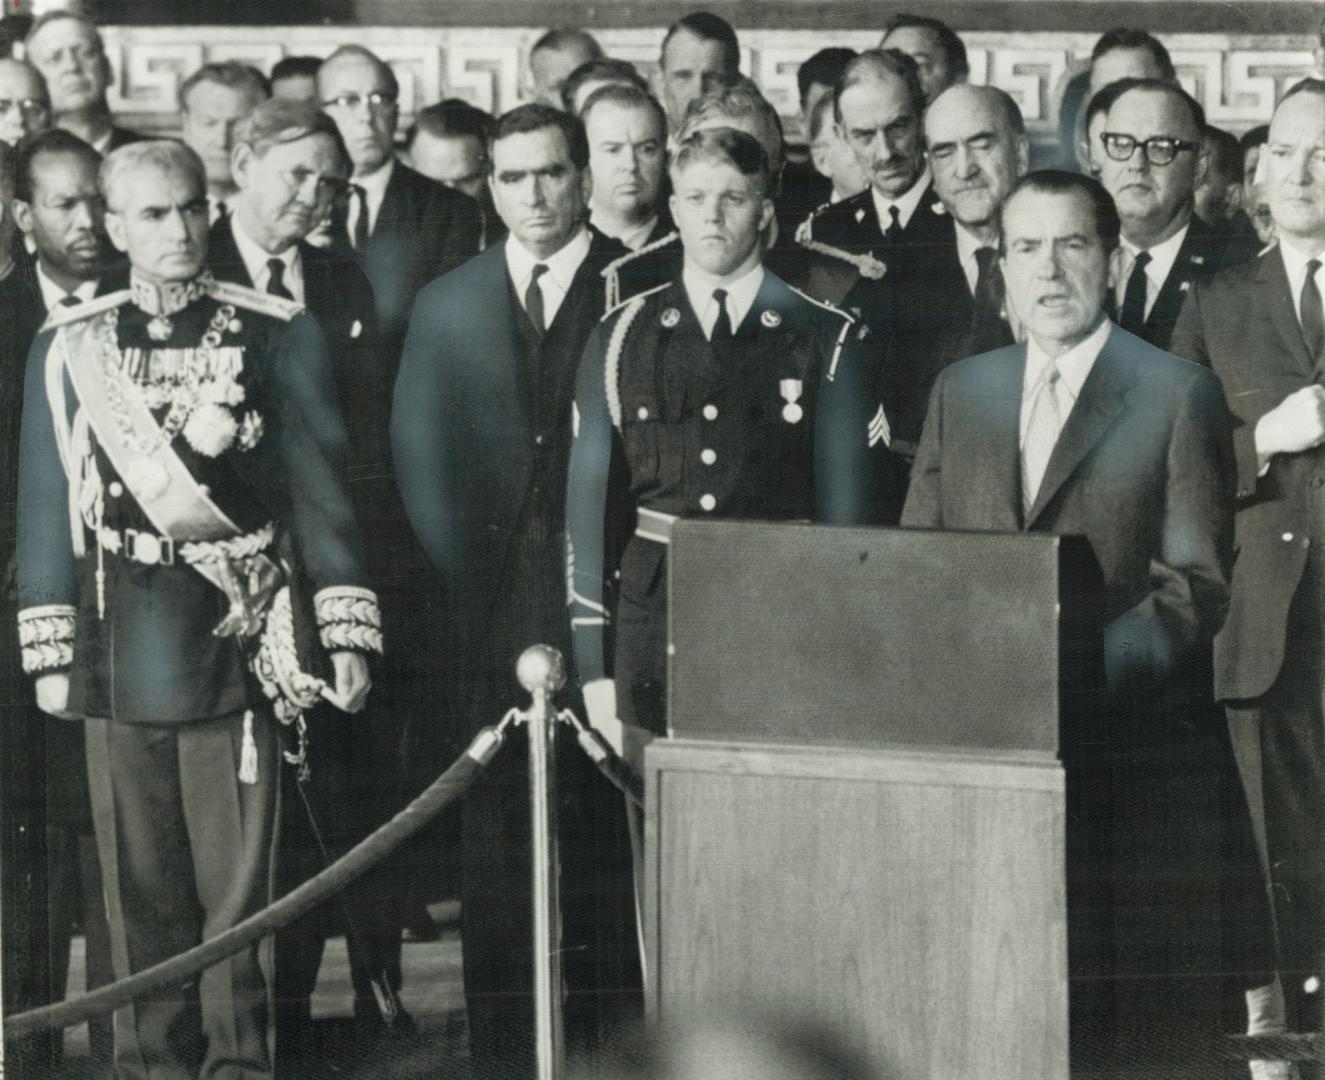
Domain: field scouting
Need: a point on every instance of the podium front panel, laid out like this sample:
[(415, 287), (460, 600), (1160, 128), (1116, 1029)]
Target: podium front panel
[(873, 637), (915, 901)]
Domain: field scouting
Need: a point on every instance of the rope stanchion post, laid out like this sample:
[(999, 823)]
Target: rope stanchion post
[(542, 673)]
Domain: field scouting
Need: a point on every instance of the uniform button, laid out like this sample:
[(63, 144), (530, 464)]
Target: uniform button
[(116, 489), (1288, 538), (707, 502), (643, 413), (707, 456), (710, 412), (538, 440)]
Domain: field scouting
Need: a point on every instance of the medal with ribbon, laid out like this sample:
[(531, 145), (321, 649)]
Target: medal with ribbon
[(791, 393)]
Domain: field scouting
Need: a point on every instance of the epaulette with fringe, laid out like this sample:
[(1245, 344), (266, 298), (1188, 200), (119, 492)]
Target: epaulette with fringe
[(254, 300), (611, 272), (63, 314), (616, 341)]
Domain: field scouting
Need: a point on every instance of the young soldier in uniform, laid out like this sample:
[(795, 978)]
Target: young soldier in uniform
[(723, 394), (180, 466)]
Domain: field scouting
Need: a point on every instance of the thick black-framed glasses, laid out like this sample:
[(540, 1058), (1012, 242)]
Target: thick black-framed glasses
[(1159, 149)]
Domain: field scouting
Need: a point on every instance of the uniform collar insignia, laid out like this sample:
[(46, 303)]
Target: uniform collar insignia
[(670, 317), (165, 300), (770, 320)]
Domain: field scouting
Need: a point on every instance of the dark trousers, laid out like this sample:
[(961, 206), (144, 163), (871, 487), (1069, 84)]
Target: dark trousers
[(1286, 729), (186, 851)]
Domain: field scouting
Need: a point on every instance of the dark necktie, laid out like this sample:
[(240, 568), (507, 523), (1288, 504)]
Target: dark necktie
[(894, 231), (221, 209), (1132, 318), (989, 330), (276, 280), (533, 300), (1313, 317), (72, 301), (360, 237), (722, 326)]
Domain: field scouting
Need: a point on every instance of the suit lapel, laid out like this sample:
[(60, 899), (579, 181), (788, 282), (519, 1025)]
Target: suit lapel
[(1002, 413), (1275, 309), (1195, 258), (1102, 399)]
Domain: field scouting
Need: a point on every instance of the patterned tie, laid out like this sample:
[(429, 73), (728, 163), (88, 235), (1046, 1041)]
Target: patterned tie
[(989, 330), (276, 280), (894, 231), (1042, 428), (360, 237), (722, 326), (533, 300), (1313, 316), (1132, 318)]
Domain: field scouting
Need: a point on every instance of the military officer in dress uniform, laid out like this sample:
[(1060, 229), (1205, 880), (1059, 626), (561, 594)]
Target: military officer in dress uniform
[(182, 504), (725, 393)]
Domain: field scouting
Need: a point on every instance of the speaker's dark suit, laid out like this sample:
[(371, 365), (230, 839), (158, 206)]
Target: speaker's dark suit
[(481, 429), (1202, 253), (1268, 658), (423, 230), (1165, 897)]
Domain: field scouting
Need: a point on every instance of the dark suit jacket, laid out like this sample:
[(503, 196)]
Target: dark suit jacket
[(1243, 323), (461, 432), (1202, 254), (423, 230), (1158, 832), (122, 137)]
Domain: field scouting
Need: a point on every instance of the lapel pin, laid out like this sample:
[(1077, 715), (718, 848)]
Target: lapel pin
[(939, 208), (770, 320), (1185, 286), (670, 318), (791, 392), (1198, 260), (860, 215)]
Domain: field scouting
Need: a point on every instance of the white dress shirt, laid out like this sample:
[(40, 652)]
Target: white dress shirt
[(1295, 264), (256, 260), (52, 294), (1073, 367), (741, 295), (1162, 258), (906, 205), (561, 270), (374, 189)]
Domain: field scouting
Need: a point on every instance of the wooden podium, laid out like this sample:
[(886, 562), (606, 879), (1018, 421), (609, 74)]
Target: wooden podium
[(883, 857)]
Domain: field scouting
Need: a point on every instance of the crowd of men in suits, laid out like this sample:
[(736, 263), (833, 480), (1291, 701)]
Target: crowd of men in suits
[(531, 350)]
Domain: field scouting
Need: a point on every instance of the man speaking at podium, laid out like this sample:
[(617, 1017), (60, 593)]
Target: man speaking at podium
[(1131, 448)]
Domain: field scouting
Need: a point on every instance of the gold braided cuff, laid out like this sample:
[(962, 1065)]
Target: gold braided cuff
[(46, 637), (348, 618)]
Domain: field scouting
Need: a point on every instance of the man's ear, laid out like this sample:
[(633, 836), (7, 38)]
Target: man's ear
[(115, 230), (765, 214), (22, 212), (241, 158), (1023, 155)]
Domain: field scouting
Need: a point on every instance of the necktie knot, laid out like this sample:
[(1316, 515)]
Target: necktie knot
[(895, 225), (276, 285), (1141, 261), (70, 300), (1312, 266)]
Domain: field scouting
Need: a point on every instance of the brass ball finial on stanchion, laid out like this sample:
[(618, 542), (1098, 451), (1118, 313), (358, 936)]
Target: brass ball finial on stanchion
[(541, 667)]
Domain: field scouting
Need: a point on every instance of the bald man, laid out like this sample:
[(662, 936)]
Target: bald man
[(25, 106)]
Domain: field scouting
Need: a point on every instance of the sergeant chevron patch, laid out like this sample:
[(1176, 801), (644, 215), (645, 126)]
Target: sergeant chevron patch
[(879, 431)]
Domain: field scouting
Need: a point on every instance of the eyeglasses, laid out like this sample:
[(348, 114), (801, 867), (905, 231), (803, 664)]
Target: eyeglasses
[(376, 101), (1159, 149), (28, 106)]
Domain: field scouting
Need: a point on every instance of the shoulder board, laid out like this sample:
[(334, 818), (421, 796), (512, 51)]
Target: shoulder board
[(60, 314), (621, 260), (638, 296), (253, 300), (824, 304)]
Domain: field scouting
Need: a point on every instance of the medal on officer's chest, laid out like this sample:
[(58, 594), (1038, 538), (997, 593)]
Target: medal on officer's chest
[(159, 328), (791, 393)]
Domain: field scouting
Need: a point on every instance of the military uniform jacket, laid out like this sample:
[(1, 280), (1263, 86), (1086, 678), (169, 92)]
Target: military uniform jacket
[(782, 428), (102, 592)]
